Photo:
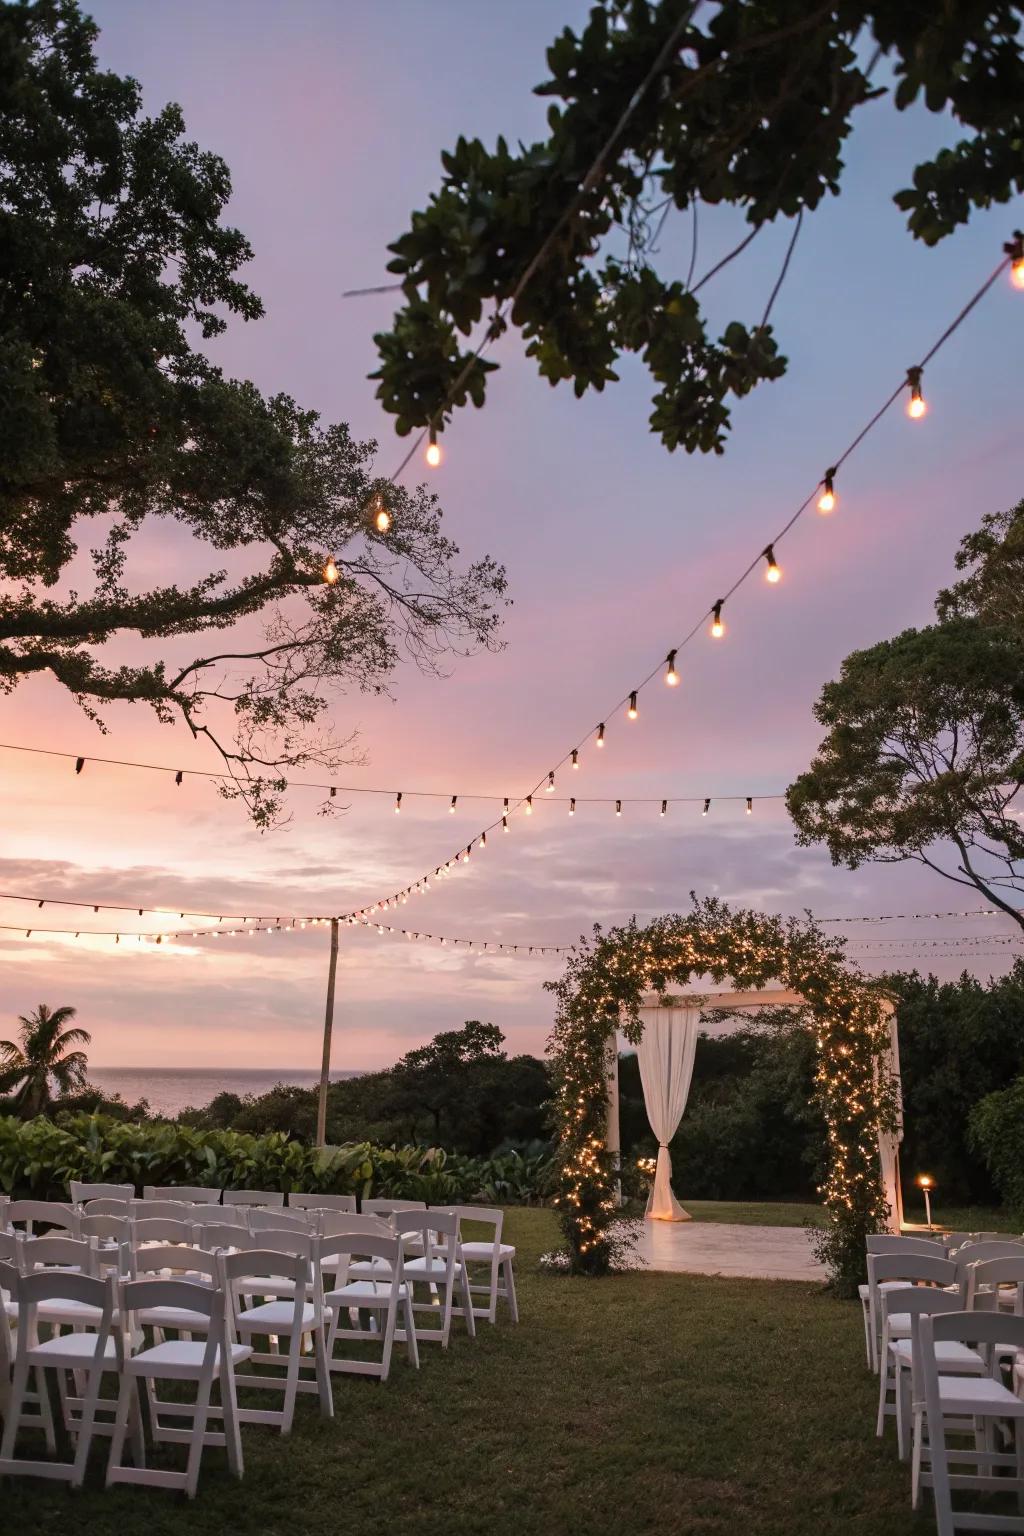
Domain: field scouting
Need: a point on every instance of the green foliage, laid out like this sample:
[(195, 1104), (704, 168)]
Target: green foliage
[(46, 1052), (925, 744), (747, 103), (39, 1157), (603, 987), (115, 258), (997, 1134), (959, 1042)]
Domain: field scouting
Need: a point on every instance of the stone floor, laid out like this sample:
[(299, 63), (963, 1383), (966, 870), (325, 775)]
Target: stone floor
[(719, 1248)]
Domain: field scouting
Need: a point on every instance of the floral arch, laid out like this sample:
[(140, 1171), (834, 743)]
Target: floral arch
[(603, 989)]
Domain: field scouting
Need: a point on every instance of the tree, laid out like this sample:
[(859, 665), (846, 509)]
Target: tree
[(924, 756), (47, 1052), (441, 1077), (661, 104), (114, 426)]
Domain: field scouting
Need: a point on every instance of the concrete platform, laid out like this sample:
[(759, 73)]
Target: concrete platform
[(720, 1248)]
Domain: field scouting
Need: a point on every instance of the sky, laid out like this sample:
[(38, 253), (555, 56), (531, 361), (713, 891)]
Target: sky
[(332, 118)]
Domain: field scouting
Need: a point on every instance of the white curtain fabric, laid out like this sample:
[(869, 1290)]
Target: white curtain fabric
[(888, 1143), (665, 1054)]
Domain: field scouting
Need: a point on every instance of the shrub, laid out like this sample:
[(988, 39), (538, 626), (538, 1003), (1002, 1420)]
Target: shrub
[(996, 1133)]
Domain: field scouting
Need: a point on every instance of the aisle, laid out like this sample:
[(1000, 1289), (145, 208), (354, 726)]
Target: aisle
[(720, 1248)]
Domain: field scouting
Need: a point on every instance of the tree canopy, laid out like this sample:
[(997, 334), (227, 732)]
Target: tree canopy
[(660, 105), (113, 424), (47, 1051), (924, 753)]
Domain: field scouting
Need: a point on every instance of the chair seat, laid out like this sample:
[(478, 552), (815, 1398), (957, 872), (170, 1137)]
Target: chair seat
[(64, 1310), (174, 1317), (485, 1250), (180, 1359), (369, 1269), (79, 1347), (421, 1268), (362, 1292), (864, 1291), (951, 1355), (978, 1395), (276, 1316)]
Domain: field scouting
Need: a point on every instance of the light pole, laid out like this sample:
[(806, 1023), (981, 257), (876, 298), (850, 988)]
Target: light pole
[(325, 1065), (926, 1184)]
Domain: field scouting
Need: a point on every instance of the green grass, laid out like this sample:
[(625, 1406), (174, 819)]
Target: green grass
[(640, 1404)]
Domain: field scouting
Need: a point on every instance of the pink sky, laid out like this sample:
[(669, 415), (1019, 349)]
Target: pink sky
[(332, 119)]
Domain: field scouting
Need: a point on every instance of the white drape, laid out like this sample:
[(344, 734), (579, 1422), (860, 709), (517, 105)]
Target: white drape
[(665, 1054), (889, 1143)]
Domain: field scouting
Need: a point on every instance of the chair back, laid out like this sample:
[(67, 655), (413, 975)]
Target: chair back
[(337, 1251), (336, 1223), (253, 1197), (9, 1279), (303, 1202), (422, 1233), (192, 1194), (113, 1229), (9, 1244), (181, 1262), (980, 1253), (81, 1192), (972, 1328), (382, 1207), (161, 1229), (62, 1285), (223, 1234), (162, 1210), (183, 1295), (888, 1242), (985, 1278), (57, 1252), (487, 1215), (915, 1268), (106, 1206), (49, 1213), (264, 1218), (285, 1240)]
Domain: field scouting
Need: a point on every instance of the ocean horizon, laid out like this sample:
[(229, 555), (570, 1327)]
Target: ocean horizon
[(169, 1090)]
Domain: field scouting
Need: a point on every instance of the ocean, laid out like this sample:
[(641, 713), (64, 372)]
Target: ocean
[(172, 1089)]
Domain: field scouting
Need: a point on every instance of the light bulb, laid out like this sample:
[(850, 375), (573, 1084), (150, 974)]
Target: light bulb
[(465, 856), (451, 808), (707, 807), (828, 497), (1015, 250), (671, 676), (1017, 272), (529, 805), (382, 520), (551, 782), (750, 805), (772, 574), (916, 405), (483, 839), (618, 807), (632, 710), (600, 734), (717, 627), (572, 806), (434, 454), (664, 807), (398, 802), (504, 823), (331, 572)]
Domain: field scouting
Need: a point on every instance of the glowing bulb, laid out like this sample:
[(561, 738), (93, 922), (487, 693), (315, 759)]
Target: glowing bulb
[(618, 807), (671, 676), (632, 710), (451, 808), (575, 757), (504, 823), (529, 805), (664, 807), (382, 520), (750, 805), (1017, 272), (572, 806), (717, 627), (434, 454), (331, 572), (600, 734), (772, 574), (551, 783), (828, 497), (398, 802), (916, 405), (707, 807)]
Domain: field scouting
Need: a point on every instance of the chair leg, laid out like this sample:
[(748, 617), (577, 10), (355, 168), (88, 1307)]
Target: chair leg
[(411, 1342), (19, 1386), (510, 1287), (867, 1331), (940, 1477), (291, 1382), (195, 1450), (323, 1375), (902, 1411), (127, 1400), (232, 1430), (94, 1377), (916, 1457), (389, 1341), (467, 1302)]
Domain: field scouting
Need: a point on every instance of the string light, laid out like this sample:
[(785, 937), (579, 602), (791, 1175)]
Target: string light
[(572, 806), (331, 572), (551, 782), (707, 807), (79, 764), (750, 806), (600, 734), (1015, 251), (618, 807), (529, 805), (398, 802), (772, 572), (483, 840), (717, 627), (828, 497), (664, 807), (455, 801), (631, 712), (916, 405), (671, 675), (504, 823), (433, 454), (382, 518), (576, 757)]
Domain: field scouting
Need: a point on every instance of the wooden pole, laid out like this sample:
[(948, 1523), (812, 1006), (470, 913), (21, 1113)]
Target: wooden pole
[(325, 1065)]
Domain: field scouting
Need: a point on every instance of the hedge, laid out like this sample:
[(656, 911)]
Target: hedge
[(39, 1158)]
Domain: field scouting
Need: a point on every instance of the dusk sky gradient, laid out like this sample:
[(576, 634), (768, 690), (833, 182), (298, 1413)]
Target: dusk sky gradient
[(332, 117)]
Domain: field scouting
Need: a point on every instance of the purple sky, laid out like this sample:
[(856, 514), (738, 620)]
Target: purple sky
[(332, 119)]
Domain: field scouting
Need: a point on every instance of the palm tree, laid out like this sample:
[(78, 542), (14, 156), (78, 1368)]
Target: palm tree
[(46, 1052)]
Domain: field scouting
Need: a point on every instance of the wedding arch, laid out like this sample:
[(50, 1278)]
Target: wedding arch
[(608, 981)]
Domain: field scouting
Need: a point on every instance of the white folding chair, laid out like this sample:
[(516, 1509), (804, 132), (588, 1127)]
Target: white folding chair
[(163, 1229), (85, 1355), (271, 1219), (971, 1406), (972, 1254), (887, 1242), (105, 1205), (201, 1361), (499, 1257), (294, 1316), (997, 1285), (48, 1213), (384, 1296), (109, 1229), (190, 1194), (80, 1193), (253, 1197), (213, 1235), (382, 1207), (303, 1202), (163, 1210), (901, 1310), (438, 1264), (887, 1271)]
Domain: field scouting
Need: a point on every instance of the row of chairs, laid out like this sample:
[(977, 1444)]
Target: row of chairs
[(946, 1337), (301, 1292)]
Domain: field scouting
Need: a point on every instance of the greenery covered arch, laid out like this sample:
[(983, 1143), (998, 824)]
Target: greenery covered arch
[(603, 989)]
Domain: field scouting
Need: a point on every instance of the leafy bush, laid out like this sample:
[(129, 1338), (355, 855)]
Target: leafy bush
[(39, 1158), (996, 1133)]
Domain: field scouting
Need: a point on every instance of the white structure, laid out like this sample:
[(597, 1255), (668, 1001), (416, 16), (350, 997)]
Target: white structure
[(666, 1055)]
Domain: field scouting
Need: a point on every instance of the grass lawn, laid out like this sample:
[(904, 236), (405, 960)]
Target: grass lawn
[(640, 1404)]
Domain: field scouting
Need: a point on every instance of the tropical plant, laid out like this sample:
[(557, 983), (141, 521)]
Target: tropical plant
[(661, 105), (115, 260), (46, 1053), (924, 756)]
